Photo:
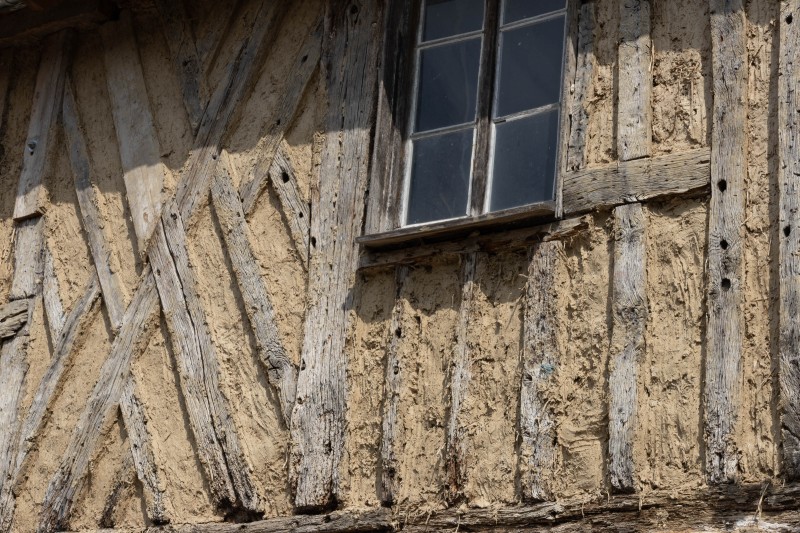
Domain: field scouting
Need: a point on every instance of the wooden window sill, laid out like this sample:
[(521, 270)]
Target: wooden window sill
[(424, 233)]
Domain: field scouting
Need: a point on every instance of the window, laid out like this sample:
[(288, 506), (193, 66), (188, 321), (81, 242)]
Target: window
[(483, 122)]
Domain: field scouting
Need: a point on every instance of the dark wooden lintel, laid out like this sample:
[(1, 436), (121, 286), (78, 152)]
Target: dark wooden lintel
[(27, 25)]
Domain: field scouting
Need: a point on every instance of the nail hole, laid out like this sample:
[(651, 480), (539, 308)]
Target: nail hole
[(787, 230), (723, 185), (301, 215), (726, 284), (353, 9), (398, 332), (304, 59), (285, 177), (314, 242), (789, 18), (723, 244)]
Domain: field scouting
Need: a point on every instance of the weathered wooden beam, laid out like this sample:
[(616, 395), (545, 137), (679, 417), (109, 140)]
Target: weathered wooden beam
[(318, 420), (789, 249), (391, 394), (517, 239), (253, 184), (296, 210), (123, 481), (27, 26), (6, 65), (580, 90), (637, 180), (725, 223), (28, 267), (7, 6), (53, 308), (143, 171), (460, 367), (114, 297), (143, 309), (635, 110), (178, 33), (31, 199), (629, 308), (281, 372), (13, 316), (540, 358)]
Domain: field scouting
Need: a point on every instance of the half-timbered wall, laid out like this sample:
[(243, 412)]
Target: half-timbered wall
[(191, 333)]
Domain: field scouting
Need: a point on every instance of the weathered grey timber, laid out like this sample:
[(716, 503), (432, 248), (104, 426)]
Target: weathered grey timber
[(725, 223), (491, 241), (294, 208), (254, 182), (208, 410), (114, 300), (633, 181), (124, 480), (634, 112), (456, 445), (629, 308), (580, 87), (28, 267), (143, 309), (180, 39), (391, 393), (53, 65), (789, 279), (135, 419), (569, 71), (281, 372), (540, 359), (133, 122), (114, 296), (13, 316), (352, 29), (53, 307), (70, 476)]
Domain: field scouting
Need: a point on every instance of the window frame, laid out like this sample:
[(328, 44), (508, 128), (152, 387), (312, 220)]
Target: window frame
[(388, 194)]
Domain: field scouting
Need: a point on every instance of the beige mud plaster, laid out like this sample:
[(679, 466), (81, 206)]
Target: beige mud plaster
[(44, 113), (319, 414), (133, 121), (281, 372), (143, 309), (629, 308), (789, 187), (728, 168), (540, 358)]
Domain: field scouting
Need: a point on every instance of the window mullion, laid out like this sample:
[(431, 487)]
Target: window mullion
[(480, 166)]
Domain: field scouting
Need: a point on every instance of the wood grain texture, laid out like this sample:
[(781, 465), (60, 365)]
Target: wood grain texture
[(114, 297), (28, 266), (637, 180), (281, 372), (143, 309), (253, 183), (540, 359), (208, 410), (634, 110), (178, 33), (389, 479), (580, 89), (13, 316), (143, 171), (296, 210), (70, 477), (460, 368), (629, 308), (53, 308), (318, 420), (725, 223), (789, 236), (31, 196), (6, 67), (133, 414)]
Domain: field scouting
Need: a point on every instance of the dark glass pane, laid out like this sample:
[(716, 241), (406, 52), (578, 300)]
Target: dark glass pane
[(514, 10), (440, 174), (445, 18), (524, 161), (448, 84), (530, 67)]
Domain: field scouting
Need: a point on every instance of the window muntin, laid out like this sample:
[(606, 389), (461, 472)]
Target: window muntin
[(497, 80)]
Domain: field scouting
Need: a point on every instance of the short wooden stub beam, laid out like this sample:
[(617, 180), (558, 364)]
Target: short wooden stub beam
[(540, 359), (726, 217), (391, 394), (629, 308), (789, 236), (455, 447), (318, 420)]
